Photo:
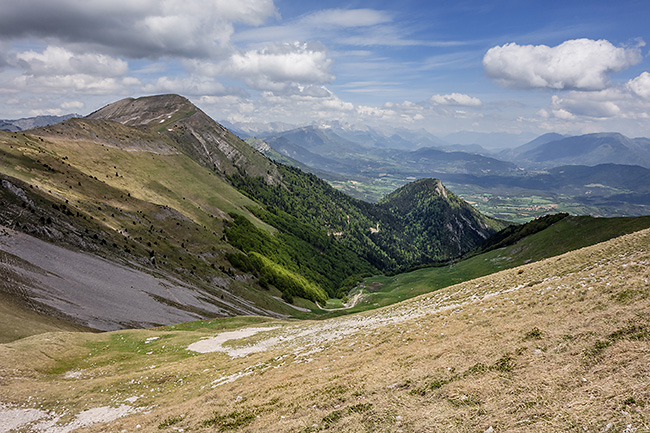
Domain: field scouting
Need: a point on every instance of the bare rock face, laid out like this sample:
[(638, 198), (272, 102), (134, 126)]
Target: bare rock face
[(18, 192)]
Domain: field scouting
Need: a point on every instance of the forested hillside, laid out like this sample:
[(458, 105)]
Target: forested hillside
[(155, 184), (419, 223)]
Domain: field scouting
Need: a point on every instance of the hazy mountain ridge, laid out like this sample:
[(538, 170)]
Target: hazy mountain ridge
[(324, 149), (588, 149), (513, 153), (16, 125), (608, 190)]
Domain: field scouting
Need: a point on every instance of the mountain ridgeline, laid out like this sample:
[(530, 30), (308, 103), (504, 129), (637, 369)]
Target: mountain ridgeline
[(155, 183)]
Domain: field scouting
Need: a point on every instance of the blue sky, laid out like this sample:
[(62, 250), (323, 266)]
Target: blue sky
[(525, 67)]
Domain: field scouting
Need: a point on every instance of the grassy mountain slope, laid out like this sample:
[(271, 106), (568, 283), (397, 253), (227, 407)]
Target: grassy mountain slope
[(130, 196), (191, 131), (557, 345), (438, 224), (568, 234)]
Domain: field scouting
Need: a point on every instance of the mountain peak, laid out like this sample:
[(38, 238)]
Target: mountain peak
[(426, 187), (191, 131), (148, 110)]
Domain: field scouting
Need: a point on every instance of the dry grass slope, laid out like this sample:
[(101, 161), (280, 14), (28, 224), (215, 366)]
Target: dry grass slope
[(559, 345)]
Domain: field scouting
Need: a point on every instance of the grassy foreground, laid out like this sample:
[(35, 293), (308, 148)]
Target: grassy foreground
[(558, 345)]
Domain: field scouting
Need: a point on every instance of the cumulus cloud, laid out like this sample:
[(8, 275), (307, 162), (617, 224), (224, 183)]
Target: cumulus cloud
[(640, 85), (280, 67), (456, 99), (582, 64), (138, 29), (58, 70), (595, 105)]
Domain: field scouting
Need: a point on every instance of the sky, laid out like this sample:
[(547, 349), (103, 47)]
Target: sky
[(506, 66)]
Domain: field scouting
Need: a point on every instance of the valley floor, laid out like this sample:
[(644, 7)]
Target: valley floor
[(558, 345)]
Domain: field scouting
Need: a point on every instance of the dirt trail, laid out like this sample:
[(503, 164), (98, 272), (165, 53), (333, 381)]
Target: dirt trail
[(351, 304)]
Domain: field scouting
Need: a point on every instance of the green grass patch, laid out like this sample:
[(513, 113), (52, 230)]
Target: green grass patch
[(231, 421), (173, 420)]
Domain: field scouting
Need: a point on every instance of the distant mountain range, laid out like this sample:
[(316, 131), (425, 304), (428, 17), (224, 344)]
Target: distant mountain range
[(606, 172), (325, 149), (589, 149), (32, 122)]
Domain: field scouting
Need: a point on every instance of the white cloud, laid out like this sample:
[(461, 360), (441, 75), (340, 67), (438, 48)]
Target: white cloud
[(575, 64), (73, 105), (456, 99), (587, 104), (628, 101), (60, 61), (57, 70), (640, 85), (280, 67), (77, 83), (189, 86), (331, 18), (46, 112), (324, 24)]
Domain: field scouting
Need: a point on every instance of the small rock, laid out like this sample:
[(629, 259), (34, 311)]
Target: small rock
[(489, 430)]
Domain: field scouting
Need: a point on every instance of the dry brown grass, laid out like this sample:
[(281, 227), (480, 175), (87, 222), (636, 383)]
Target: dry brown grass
[(560, 345)]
